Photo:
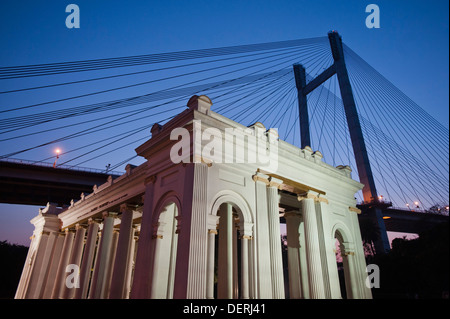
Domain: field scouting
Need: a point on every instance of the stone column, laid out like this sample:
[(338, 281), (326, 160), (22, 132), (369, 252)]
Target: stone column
[(212, 232), (141, 281), (36, 277), (293, 248), (123, 248), (245, 231), (98, 287), (315, 274), (276, 261), (60, 283), (110, 265), (263, 274), (225, 258), (88, 257), (53, 266), (75, 259), (348, 259), (130, 266)]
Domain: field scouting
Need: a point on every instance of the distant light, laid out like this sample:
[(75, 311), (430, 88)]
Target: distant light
[(386, 217), (380, 197), (407, 204), (58, 151), (416, 203)]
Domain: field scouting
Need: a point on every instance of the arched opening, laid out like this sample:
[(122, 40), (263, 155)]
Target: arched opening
[(230, 278), (340, 266), (165, 251), (227, 254), (344, 252)]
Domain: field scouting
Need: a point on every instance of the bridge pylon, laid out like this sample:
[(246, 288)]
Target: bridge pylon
[(356, 136)]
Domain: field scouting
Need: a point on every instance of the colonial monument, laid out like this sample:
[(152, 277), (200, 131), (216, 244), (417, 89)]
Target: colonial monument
[(201, 219)]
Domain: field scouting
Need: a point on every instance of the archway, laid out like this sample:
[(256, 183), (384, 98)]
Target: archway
[(232, 249), (165, 242), (344, 252)]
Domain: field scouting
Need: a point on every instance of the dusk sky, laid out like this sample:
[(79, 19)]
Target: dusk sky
[(411, 48)]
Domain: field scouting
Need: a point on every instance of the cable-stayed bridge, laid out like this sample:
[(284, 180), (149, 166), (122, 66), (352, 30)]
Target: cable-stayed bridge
[(97, 111)]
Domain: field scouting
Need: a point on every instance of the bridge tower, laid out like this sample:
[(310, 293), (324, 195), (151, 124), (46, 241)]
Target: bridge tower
[(359, 148)]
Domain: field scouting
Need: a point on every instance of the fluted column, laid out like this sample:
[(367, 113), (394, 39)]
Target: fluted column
[(131, 259), (98, 288), (276, 261), (53, 266), (60, 282), (123, 247), (315, 274), (141, 281), (225, 266), (348, 258), (245, 232), (293, 248), (75, 259), (88, 256), (212, 232), (262, 269)]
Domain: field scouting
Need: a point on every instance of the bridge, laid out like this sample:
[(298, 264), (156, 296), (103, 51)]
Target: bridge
[(30, 183), (318, 92)]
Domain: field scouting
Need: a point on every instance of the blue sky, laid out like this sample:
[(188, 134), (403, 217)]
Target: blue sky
[(410, 49)]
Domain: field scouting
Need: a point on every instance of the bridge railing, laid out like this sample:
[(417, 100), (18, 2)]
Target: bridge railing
[(443, 212), (68, 167)]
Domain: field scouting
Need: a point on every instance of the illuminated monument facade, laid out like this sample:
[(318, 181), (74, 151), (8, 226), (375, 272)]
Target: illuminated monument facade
[(201, 219)]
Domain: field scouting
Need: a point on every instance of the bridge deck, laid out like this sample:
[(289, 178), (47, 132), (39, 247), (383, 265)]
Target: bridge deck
[(31, 184)]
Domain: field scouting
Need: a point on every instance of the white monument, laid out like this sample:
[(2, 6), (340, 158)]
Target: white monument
[(201, 219)]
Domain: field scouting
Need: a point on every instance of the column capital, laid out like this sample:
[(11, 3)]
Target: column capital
[(212, 221), (79, 226), (307, 195), (109, 214), (354, 209), (92, 221), (124, 207), (260, 177), (274, 182), (321, 199)]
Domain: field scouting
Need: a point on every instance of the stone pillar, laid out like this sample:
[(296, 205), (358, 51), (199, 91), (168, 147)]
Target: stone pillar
[(60, 283), (35, 273), (245, 231), (303, 262), (293, 248), (38, 270), (315, 273), (130, 266), (141, 281), (87, 260), (225, 258), (190, 276), (348, 259), (53, 266), (212, 232), (263, 275), (276, 261), (75, 259), (118, 282), (99, 284), (111, 261)]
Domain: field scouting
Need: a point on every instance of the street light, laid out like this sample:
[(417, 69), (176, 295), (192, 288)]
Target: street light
[(57, 151)]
